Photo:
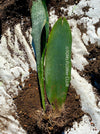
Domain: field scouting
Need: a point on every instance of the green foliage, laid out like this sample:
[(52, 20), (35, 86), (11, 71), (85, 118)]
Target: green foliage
[(58, 63), (47, 20), (38, 16), (39, 20), (57, 54)]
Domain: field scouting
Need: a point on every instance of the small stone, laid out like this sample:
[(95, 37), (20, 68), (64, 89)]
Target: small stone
[(77, 97), (92, 124), (20, 112), (25, 125), (25, 113), (50, 128), (30, 116), (46, 117), (29, 85), (36, 88)]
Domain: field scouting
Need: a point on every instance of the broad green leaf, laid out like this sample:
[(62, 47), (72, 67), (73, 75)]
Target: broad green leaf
[(58, 63), (38, 15)]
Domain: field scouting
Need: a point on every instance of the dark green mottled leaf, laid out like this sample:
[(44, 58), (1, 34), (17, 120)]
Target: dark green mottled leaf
[(38, 16), (58, 63)]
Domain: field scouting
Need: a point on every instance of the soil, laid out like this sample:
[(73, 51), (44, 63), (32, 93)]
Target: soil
[(32, 117), (57, 4), (14, 11), (92, 70)]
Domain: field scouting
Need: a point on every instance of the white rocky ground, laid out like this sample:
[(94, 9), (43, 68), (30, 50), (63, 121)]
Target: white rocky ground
[(16, 64)]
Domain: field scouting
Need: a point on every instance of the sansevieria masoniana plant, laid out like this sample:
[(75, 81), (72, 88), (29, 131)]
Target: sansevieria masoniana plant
[(53, 54)]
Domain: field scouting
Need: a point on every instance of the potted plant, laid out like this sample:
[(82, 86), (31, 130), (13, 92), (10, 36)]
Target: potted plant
[(56, 74)]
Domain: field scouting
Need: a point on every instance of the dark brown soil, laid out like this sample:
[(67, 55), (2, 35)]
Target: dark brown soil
[(92, 70), (14, 11), (32, 117), (57, 4)]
